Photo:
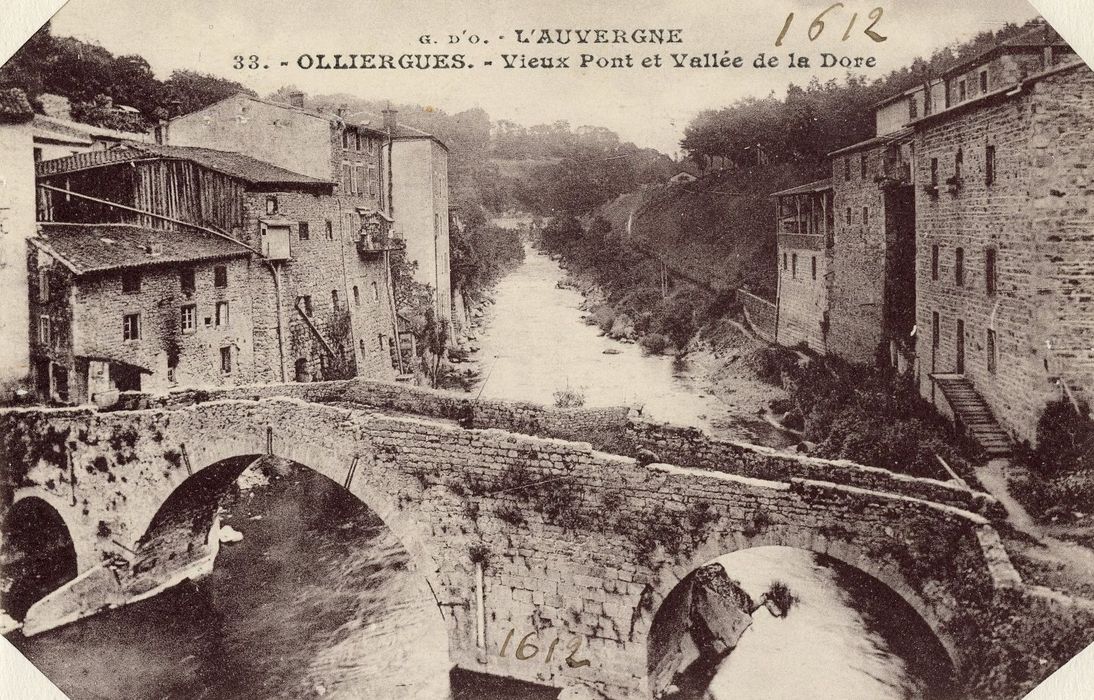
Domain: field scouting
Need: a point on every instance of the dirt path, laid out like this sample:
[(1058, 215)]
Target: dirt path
[(1049, 560)]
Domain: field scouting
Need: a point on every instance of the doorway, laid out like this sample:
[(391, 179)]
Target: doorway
[(960, 347)]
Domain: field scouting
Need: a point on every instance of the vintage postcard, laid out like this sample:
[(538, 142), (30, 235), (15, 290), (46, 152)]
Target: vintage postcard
[(577, 350)]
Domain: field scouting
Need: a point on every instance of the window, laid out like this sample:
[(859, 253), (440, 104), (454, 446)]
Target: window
[(862, 165), (934, 261), (357, 140), (936, 325), (305, 303), (362, 184), (37, 154), (786, 265), (848, 216), (373, 181), (794, 265), (186, 279), (866, 216), (991, 351), (330, 230), (345, 139), (220, 276), (188, 318), (334, 299), (43, 284), (356, 296), (375, 292), (354, 174), (813, 265), (958, 161), (959, 267), (989, 270), (305, 231), (222, 318), (131, 327), (962, 90), (362, 344), (372, 146), (380, 341), (847, 168), (226, 360), (43, 330), (934, 172), (989, 165), (271, 204), (983, 81), (913, 108), (131, 281)]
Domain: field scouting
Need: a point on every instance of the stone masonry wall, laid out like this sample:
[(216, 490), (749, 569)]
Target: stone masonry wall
[(609, 429), (320, 265), (803, 297), (857, 281)]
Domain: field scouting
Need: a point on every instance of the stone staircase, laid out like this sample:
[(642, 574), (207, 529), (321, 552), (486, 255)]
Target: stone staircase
[(974, 416)]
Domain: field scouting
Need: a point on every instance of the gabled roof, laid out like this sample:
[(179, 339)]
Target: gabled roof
[(808, 188), (1040, 36), (14, 107), (96, 248), (79, 132), (230, 163)]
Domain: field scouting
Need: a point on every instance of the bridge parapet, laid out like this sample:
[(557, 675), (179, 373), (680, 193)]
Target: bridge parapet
[(615, 430)]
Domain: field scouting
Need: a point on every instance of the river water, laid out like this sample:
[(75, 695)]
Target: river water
[(317, 600)]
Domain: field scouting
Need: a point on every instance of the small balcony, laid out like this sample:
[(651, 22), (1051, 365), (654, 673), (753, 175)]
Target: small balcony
[(894, 173), (369, 244)]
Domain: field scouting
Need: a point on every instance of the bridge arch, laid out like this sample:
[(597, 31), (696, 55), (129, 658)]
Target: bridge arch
[(42, 554), (672, 575), (183, 524)]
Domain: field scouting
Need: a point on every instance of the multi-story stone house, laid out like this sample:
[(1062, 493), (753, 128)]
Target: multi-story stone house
[(16, 226), (120, 307), (871, 294), (804, 229), (375, 166), (1005, 256), (315, 278)]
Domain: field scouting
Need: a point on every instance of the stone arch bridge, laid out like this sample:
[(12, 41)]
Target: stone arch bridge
[(517, 515)]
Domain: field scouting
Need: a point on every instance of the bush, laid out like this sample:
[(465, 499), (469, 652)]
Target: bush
[(569, 398), (654, 343), (1065, 439)]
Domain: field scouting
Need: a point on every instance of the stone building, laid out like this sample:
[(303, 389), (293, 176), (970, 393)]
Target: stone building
[(318, 285), (118, 307), (871, 295), (376, 166), (16, 226), (1005, 259), (804, 220)]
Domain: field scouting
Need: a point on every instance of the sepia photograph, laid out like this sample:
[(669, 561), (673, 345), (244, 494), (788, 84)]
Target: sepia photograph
[(582, 350)]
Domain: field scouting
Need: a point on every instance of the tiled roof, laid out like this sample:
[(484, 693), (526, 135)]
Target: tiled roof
[(898, 135), (14, 108), (809, 188), (1038, 36), (229, 163), (88, 248), (82, 132)]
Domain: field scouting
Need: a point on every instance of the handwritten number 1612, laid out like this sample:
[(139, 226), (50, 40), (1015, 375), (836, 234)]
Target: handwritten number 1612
[(526, 650), (817, 27)]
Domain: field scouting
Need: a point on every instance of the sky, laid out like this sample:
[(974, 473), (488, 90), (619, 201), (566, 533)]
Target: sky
[(649, 106)]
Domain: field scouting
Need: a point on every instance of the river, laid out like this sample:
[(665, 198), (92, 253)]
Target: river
[(317, 600)]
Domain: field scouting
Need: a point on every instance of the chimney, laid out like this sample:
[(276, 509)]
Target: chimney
[(389, 120), (341, 111), (296, 99)]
